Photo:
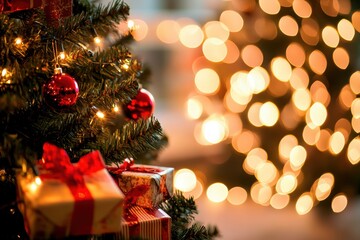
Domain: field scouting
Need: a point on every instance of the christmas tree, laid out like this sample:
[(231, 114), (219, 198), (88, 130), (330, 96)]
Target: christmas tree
[(69, 82), (277, 83)]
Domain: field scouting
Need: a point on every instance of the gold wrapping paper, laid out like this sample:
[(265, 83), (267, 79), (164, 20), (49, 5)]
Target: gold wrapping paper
[(145, 185), (47, 206)]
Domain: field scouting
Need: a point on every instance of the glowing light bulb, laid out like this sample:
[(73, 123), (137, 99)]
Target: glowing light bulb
[(318, 113), (131, 24), (261, 193), (217, 192), (297, 157), (237, 195), (339, 203), (281, 69), (34, 185), (18, 41), (287, 143), (266, 172), (62, 55), (185, 180), (116, 108), (353, 151), (125, 66), (194, 108), (330, 36), (286, 184), (196, 192), (270, 7), (207, 81), (97, 40), (140, 29), (214, 129), (336, 142), (269, 114), (38, 180), (191, 36), (168, 31), (323, 186), (4, 72), (232, 20), (100, 114), (252, 162), (304, 204), (279, 201), (214, 49)]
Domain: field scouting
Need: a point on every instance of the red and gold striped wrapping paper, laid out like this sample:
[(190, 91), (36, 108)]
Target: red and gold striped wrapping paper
[(152, 224)]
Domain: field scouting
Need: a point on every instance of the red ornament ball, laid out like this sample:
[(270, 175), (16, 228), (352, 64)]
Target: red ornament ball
[(61, 91), (142, 106)]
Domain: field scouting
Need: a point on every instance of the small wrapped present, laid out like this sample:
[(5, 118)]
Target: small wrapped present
[(9, 6), (69, 199), (145, 223), (144, 185)]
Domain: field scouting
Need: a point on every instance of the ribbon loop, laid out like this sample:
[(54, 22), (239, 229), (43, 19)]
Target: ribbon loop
[(91, 162), (56, 164), (125, 166)]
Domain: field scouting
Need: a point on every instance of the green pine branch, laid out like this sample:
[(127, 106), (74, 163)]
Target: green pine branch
[(182, 211), (97, 21), (108, 83), (139, 139)]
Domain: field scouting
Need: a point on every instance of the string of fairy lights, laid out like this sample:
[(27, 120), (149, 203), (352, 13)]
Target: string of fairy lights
[(62, 57), (234, 39)]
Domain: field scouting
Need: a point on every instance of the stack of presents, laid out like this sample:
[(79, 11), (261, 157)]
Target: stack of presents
[(91, 198)]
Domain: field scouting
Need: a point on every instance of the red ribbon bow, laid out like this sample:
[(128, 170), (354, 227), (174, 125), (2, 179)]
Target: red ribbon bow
[(132, 195), (128, 166), (125, 166), (56, 165)]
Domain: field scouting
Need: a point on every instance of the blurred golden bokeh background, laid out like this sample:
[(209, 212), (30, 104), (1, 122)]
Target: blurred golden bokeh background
[(260, 101)]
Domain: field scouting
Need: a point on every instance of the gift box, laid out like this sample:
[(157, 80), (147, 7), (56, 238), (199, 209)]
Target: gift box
[(144, 185), (9, 6), (69, 199), (144, 223)]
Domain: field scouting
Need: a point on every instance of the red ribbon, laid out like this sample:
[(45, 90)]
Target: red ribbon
[(128, 162), (57, 165), (132, 196), (128, 166)]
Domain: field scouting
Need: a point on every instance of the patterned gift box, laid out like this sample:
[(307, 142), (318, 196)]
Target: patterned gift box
[(143, 223), (9, 6), (144, 185), (69, 199)]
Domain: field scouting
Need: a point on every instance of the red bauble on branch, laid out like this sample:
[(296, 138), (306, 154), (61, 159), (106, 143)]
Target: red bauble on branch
[(61, 91), (142, 106)]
